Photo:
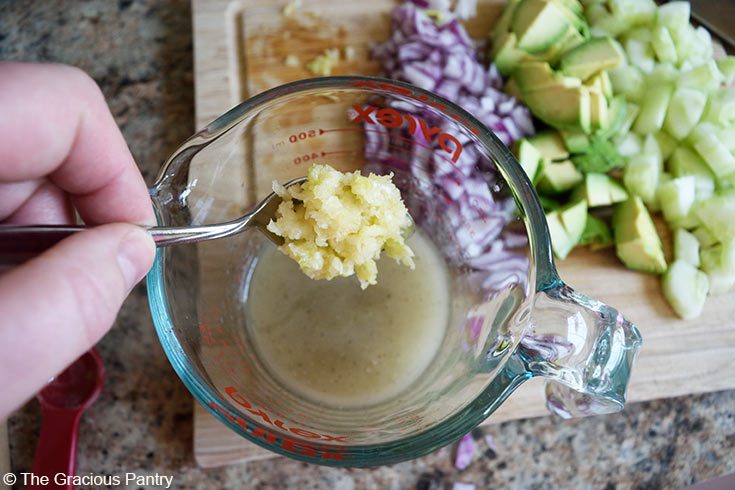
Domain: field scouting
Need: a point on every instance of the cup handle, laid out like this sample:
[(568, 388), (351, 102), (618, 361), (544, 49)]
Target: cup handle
[(584, 347)]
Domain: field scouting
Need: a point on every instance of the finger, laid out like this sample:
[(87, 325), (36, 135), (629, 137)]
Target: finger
[(14, 194), (47, 205), (58, 305), (56, 122)]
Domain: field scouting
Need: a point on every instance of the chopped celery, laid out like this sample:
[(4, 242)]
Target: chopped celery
[(686, 247), (628, 80), (727, 69), (717, 214), (640, 54), (685, 109), (685, 288), (674, 15), (718, 261), (704, 237), (629, 145), (705, 140), (641, 176), (663, 44), (685, 162), (653, 109), (677, 198), (666, 143)]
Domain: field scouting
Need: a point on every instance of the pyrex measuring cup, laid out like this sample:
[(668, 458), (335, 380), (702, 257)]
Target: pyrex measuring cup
[(511, 316)]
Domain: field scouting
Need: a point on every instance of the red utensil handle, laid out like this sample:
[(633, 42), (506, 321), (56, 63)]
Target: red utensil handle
[(56, 452)]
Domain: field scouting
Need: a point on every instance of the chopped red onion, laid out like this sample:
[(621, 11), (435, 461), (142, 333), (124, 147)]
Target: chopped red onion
[(441, 57), (465, 450)]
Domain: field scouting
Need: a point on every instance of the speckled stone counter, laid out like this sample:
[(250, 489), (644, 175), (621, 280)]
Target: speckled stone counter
[(139, 51)]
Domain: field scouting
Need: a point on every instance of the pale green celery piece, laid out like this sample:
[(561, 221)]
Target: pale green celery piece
[(704, 77), (685, 288), (686, 247), (718, 261), (704, 237), (684, 161), (629, 145), (705, 140), (633, 12), (653, 109), (662, 74), (717, 214), (640, 54), (631, 112), (727, 69), (641, 177), (685, 109), (666, 143), (674, 15), (727, 137), (629, 81), (663, 44), (650, 145), (608, 25), (685, 40), (677, 198), (721, 109)]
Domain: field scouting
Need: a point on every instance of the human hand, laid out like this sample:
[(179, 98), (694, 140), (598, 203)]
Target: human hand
[(60, 151)]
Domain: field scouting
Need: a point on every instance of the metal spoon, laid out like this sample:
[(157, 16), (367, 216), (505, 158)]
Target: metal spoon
[(19, 243)]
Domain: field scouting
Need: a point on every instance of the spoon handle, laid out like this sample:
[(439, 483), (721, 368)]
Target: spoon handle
[(20, 243), (56, 452)]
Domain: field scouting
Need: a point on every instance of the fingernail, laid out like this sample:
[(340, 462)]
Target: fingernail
[(135, 256)]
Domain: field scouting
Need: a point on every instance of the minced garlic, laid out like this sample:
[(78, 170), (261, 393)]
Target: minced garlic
[(342, 223)]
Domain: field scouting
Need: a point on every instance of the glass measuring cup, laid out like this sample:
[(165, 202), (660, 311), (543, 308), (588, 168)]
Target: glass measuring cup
[(511, 316)]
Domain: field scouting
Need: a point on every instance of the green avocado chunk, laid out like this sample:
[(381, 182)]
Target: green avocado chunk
[(592, 57), (561, 107), (636, 241), (538, 24), (566, 226), (556, 178)]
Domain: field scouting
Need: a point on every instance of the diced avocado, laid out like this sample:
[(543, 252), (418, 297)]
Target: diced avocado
[(573, 5), (571, 40), (534, 75), (598, 110), (686, 247), (538, 24), (590, 58), (550, 144), (528, 156), (600, 190), (575, 141), (505, 54), (566, 226), (717, 214), (511, 88), (718, 261), (561, 107), (502, 25), (558, 177), (617, 109), (685, 288), (596, 233), (576, 20), (636, 241), (602, 82)]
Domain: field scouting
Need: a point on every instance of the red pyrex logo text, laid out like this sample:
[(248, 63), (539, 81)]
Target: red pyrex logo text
[(391, 118)]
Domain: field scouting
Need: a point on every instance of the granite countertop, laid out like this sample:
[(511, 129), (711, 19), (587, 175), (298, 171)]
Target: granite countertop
[(140, 53)]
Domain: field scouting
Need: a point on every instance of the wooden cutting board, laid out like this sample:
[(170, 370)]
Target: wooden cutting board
[(239, 50)]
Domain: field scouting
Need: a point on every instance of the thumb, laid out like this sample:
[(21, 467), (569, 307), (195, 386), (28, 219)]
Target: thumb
[(58, 305)]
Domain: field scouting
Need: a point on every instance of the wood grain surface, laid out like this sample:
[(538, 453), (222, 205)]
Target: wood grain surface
[(240, 49)]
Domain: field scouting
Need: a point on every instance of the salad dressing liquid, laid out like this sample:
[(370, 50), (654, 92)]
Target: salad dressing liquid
[(337, 344)]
